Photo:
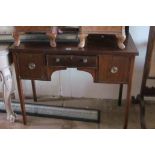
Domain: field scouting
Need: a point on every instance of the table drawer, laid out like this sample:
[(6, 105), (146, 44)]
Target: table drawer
[(114, 69), (31, 66), (71, 61)]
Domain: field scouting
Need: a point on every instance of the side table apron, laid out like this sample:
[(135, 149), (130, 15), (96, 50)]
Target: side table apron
[(6, 78)]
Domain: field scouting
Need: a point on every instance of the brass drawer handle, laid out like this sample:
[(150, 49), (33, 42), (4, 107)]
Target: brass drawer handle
[(31, 66), (68, 49), (114, 69), (85, 60), (57, 60)]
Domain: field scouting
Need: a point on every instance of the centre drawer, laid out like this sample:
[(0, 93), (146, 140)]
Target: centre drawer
[(71, 61)]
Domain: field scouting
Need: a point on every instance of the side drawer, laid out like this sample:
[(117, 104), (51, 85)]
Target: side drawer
[(31, 66), (114, 69)]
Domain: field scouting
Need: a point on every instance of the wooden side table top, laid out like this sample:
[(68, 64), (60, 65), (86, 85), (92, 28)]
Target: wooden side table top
[(95, 45)]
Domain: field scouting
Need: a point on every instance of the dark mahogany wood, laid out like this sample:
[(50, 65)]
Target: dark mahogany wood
[(71, 61), (20, 89), (128, 98), (120, 95), (101, 57), (108, 62)]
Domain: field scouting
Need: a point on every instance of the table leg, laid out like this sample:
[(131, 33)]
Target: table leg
[(128, 98), (128, 101), (21, 97), (20, 90), (34, 90), (120, 95)]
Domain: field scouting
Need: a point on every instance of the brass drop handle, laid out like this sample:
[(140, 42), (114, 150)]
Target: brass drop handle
[(57, 60), (71, 58), (68, 49), (31, 66), (114, 69), (85, 60)]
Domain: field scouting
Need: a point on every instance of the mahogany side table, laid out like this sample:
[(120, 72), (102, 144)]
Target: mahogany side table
[(101, 58)]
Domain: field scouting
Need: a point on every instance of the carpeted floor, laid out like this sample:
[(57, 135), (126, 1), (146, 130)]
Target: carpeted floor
[(112, 116)]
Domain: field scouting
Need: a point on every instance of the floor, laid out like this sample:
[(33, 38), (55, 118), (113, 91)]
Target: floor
[(112, 116)]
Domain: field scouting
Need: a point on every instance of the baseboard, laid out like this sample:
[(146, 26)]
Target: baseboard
[(90, 115)]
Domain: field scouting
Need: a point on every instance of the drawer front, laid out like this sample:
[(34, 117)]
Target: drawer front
[(31, 66), (71, 61), (114, 69)]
